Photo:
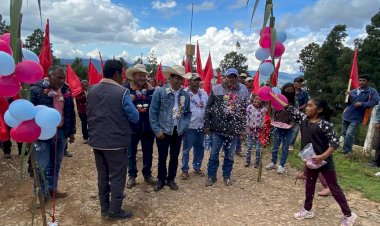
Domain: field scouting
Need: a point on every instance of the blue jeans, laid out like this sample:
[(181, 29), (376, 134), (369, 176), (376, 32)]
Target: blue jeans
[(194, 138), (348, 132), (147, 141), (253, 141), (229, 144), (295, 130), (238, 145), (49, 155), (284, 136)]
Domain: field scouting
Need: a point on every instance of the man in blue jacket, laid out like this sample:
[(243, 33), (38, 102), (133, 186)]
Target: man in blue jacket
[(169, 116), (359, 101)]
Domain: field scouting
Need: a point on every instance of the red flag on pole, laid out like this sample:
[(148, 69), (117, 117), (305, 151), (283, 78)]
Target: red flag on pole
[(187, 70), (101, 61), (183, 62), (45, 55), (93, 75), (354, 76), (123, 74), (219, 77), (264, 134), (159, 75), (199, 64), (209, 74), (73, 81), (256, 82), (275, 74)]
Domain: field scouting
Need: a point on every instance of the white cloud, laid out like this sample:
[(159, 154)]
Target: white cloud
[(163, 5), (238, 4), (326, 13), (204, 6)]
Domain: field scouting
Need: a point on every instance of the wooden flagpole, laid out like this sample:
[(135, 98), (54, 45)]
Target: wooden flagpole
[(348, 91)]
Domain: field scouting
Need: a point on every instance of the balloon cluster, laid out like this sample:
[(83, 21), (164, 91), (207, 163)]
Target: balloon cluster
[(263, 53), (30, 122), (27, 71), (264, 95)]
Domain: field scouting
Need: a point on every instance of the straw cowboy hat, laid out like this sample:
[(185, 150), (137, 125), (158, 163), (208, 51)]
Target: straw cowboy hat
[(136, 68), (192, 76), (176, 70)]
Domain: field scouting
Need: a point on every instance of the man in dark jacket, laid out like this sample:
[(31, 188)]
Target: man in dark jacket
[(141, 94), (110, 112), (225, 119), (359, 101), (81, 108), (53, 92)]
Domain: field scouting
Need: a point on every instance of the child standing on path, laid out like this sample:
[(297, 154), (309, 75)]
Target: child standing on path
[(255, 121), (317, 130)]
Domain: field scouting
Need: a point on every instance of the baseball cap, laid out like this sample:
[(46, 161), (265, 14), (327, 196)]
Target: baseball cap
[(299, 79), (249, 79), (231, 71), (243, 75)]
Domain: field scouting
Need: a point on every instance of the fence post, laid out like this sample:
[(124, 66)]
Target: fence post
[(369, 140)]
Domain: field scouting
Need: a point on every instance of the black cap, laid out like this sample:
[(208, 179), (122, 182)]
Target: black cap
[(299, 79)]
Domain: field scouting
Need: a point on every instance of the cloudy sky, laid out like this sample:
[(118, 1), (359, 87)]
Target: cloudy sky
[(128, 28)]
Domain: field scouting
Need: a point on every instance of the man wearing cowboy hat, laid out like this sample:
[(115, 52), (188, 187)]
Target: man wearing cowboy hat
[(169, 116), (194, 136), (141, 94)]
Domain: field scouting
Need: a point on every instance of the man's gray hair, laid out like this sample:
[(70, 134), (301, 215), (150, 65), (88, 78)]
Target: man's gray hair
[(53, 68)]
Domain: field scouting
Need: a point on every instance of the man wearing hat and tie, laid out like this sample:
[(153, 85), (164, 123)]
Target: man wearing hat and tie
[(141, 93), (169, 116)]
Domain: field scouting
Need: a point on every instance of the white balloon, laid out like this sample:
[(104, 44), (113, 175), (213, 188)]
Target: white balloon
[(7, 64), (22, 110), (29, 55), (10, 120), (39, 108), (262, 54), (48, 118), (266, 68), (281, 36)]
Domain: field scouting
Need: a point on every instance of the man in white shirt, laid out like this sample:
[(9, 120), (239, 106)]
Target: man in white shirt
[(194, 135)]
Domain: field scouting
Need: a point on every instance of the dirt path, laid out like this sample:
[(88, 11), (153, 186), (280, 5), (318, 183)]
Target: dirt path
[(270, 202)]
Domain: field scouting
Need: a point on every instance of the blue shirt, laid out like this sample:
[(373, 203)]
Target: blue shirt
[(368, 98), (130, 109), (302, 98)]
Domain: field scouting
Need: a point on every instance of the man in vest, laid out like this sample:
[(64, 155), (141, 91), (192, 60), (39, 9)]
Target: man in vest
[(110, 112), (359, 101), (169, 116), (141, 94)]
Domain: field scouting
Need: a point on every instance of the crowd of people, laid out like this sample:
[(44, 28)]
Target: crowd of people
[(116, 116)]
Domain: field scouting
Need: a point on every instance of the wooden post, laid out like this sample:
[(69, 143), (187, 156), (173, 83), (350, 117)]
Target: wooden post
[(348, 91), (368, 143)]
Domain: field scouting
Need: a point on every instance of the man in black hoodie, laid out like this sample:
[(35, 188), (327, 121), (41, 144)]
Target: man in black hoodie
[(53, 92)]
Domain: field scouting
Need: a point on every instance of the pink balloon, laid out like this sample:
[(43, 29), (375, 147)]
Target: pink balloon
[(265, 31), (279, 49), (265, 41), (29, 71), (9, 86), (5, 47), (264, 93), (6, 37), (277, 106), (27, 131)]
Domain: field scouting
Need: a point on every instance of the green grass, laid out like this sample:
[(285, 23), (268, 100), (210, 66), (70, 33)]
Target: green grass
[(353, 173)]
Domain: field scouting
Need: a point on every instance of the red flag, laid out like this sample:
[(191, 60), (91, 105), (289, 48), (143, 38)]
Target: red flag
[(183, 62), (73, 81), (159, 75), (101, 61), (256, 82), (92, 73), (45, 55), (275, 74), (219, 77), (187, 70), (199, 64), (123, 74), (354, 76), (264, 135), (4, 133), (209, 74)]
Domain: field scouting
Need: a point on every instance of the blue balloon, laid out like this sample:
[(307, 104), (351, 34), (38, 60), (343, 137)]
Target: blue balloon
[(262, 54), (281, 36), (266, 68), (47, 133), (48, 118), (29, 55), (39, 108), (7, 64), (22, 110), (10, 120), (276, 90)]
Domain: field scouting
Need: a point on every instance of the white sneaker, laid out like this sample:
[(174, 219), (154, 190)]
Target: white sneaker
[(291, 148), (280, 169), (349, 221), (304, 214), (85, 141), (377, 174), (270, 166)]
